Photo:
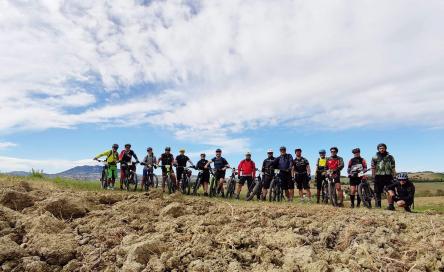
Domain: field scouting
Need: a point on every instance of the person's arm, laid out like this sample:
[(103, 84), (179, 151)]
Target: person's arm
[(121, 155), (308, 168), (393, 166), (254, 170), (208, 164), (373, 165), (239, 168), (104, 153), (227, 165), (349, 168), (135, 156), (189, 160), (341, 164), (159, 160), (364, 165), (392, 186)]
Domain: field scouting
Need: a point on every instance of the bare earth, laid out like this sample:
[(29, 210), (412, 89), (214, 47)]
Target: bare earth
[(50, 229)]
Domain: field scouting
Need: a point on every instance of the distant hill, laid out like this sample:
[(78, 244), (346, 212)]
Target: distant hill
[(85, 172), (18, 173), (427, 175)]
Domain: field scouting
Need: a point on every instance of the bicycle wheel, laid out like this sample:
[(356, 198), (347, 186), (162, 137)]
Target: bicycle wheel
[(213, 187), (196, 185), (332, 194), (104, 178), (324, 192), (188, 189), (271, 191), (171, 186), (254, 191), (230, 188), (365, 193)]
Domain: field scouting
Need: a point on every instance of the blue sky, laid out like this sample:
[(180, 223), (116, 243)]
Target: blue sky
[(77, 77)]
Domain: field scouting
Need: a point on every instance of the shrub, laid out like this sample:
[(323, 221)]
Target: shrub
[(439, 192), (37, 173)]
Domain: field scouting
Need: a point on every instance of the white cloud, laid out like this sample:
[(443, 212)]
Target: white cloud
[(48, 166), (4, 145), (230, 65)]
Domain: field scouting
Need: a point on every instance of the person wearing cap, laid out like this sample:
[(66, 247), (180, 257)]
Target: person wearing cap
[(126, 157), (267, 173), (320, 173), (356, 165), (167, 159), (284, 164), (301, 174), (220, 167), (149, 162), (205, 178), (247, 172), (401, 192), (383, 171), (181, 163), (112, 158), (336, 164)]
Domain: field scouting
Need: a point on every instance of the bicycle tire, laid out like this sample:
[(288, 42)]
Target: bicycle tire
[(365, 193), (254, 191), (213, 187), (333, 194), (171, 187), (196, 185), (104, 178), (230, 188), (324, 192)]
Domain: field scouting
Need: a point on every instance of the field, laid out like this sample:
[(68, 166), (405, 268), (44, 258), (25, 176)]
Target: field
[(63, 225)]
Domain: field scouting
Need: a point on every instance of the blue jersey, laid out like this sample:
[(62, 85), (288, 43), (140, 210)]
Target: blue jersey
[(283, 162), (219, 163)]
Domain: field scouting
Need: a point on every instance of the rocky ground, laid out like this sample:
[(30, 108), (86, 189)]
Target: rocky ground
[(50, 229)]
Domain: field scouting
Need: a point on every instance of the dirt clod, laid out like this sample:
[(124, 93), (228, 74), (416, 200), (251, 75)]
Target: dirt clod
[(16, 200)]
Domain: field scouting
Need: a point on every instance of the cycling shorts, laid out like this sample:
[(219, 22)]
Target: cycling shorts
[(219, 174), (266, 179), (248, 179), (355, 181), (286, 180), (319, 179), (112, 171), (302, 181)]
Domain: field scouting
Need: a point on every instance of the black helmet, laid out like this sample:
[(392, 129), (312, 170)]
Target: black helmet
[(128, 145), (149, 149), (115, 146), (356, 150), (381, 145), (298, 149), (402, 176), (282, 148), (322, 151), (167, 148), (218, 150), (334, 148)]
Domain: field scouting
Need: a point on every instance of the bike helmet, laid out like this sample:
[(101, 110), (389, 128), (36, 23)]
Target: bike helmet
[(218, 150), (402, 176), (182, 150), (167, 148), (381, 145), (334, 148), (149, 149), (202, 154), (356, 150), (322, 151), (282, 148), (270, 150), (298, 149), (247, 153), (128, 145), (115, 146)]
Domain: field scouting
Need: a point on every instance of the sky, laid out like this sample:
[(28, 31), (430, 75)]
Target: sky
[(241, 75)]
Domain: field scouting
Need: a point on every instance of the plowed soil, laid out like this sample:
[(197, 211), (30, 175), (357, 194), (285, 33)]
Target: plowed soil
[(50, 229)]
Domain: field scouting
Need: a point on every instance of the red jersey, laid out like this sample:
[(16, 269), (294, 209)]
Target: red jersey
[(247, 168)]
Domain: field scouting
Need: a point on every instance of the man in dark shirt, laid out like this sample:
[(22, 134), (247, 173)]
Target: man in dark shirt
[(402, 192), (220, 166), (205, 175), (267, 173), (166, 160), (125, 158), (284, 163), (301, 173), (181, 161)]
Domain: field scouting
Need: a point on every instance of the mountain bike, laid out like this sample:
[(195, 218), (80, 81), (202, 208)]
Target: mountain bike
[(151, 179), (185, 181), (276, 191), (332, 194), (198, 182), (213, 183), (231, 184), (324, 190), (365, 192), (104, 175), (169, 181), (256, 188), (131, 180)]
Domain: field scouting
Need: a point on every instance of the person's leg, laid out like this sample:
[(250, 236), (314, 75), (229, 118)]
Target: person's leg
[(205, 186), (239, 186), (352, 193), (391, 200), (378, 191), (122, 176), (340, 192), (306, 186)]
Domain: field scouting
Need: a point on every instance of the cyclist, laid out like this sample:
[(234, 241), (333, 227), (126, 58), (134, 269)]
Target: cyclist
[(181, 163), (267, 173), (125, 159), (149, 163), (402, 192), (320, 173), (301, 174), (112, 158), (167, 159), (383, 171), (284, 163), (355, 165), (205, 178), (246, 172), (336, 164), (220, 166)]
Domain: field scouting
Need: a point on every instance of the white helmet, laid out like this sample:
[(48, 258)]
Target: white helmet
[(270, 150), (247, 153)]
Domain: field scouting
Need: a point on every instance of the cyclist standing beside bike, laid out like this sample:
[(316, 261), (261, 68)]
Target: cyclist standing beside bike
[(247, 172), (125, 158), (267, 173), (149, 162), (336, 164), (220, 166), (301, 173), (321, 167), (167, 159), (284, 163), (112, 158), (205, 178), (383, 171), (355, 166), (181, 161)]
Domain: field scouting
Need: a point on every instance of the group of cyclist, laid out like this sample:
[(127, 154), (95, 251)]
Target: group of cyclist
[(292, 172)]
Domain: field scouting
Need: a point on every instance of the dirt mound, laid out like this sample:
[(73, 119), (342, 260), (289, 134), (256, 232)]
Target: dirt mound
[(103, 231), (65, 207), (16, 200)]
